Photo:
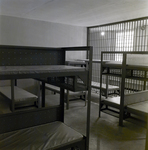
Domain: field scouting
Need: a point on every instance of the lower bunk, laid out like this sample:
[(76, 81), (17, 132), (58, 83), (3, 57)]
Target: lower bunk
[(22, 97), (68, 95), (41, 129), (106, 89), (134, 103)]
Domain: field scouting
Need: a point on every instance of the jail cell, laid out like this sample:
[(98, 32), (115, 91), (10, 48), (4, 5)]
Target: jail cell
[(131, 35)]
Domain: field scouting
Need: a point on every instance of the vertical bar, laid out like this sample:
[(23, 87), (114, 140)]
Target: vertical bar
[(62, 103), (12, 95), (144, 86), (107, 82), (136, 44), (89, 98), (100, 84), (146, 38), (67, 99), (43, 95), (139, 35), (132, 48), (142, 36), (15, 82), (134, 36), (97, 65), (146, 143), (122, 90), (88, 41)]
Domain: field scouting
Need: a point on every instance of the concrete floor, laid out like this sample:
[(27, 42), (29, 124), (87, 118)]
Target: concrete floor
[(105, 133)]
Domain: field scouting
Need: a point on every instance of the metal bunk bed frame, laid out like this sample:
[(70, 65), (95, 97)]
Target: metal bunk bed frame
[(126, 71), (30, 56)]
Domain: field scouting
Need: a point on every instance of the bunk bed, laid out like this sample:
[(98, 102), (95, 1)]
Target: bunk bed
[(70, 95), (43, 127), (107, 89), (126, 103)]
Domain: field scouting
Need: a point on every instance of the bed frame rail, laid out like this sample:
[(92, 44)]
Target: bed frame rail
[(24, 56), (29, 118)]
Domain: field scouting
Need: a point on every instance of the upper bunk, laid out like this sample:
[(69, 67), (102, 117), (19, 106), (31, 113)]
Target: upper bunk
[(46, 65), (133, 64), (43, 63)]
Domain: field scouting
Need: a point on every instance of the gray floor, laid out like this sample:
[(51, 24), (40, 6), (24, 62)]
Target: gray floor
[(105, 134)]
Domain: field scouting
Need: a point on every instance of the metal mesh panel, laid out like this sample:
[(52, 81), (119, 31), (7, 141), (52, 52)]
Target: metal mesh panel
[(131, 35), (24, 56)]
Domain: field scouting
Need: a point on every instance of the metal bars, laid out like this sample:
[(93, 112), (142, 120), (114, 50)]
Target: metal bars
[(130, 35)]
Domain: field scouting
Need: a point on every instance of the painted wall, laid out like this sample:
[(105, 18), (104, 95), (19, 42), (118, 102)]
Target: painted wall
[(18, 31), (26, 32)]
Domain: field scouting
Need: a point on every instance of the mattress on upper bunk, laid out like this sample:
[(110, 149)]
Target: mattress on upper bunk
[(112, 63), (75, 62), (47, 137), (93, 60), (118, 64), (16, 70)]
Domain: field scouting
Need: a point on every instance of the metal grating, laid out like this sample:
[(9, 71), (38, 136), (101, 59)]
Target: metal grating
[(131, 35), (24, 56)]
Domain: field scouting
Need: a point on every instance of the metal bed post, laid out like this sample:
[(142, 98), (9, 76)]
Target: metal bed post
[(146, 142), (89, 98), (100, 84), (67, 99), (122, 89), (144, 86), (43, 94), (107, 82), (12, 95), (39, 95), (62, 103)]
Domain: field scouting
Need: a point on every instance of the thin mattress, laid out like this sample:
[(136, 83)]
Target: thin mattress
[(110, 87), (141, 107), (43, 137), (20, 95), (16, 70), (118, 64)]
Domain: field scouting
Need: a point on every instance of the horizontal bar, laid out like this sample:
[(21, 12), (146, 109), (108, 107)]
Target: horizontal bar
[(83, 48), (126, 52), (108, 24)]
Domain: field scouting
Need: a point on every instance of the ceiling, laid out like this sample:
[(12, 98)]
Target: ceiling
[(76, 12)]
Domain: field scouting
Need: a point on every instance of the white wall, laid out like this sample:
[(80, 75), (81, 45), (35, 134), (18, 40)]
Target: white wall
[(18, 31), (26, 32)]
